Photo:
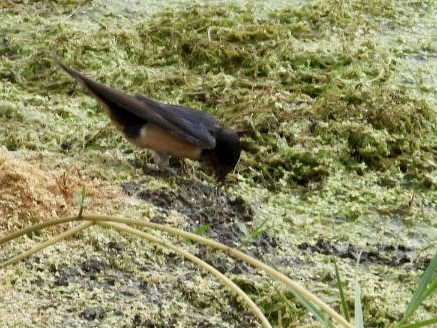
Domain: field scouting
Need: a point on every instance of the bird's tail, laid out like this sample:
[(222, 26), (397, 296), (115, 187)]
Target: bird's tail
[(118, 105)]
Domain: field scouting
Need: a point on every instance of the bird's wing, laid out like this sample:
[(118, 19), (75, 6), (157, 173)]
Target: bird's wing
[(190, 122), (192, 125)]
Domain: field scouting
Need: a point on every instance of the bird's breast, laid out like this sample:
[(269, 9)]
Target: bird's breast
[(154, 137)]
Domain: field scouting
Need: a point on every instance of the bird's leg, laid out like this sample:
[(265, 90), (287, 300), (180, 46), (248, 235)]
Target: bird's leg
[(162, 161)]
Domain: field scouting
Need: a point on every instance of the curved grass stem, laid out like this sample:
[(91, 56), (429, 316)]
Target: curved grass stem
[(37, 227), (225, 280), (239, 255), (46, 243), (230, 251)]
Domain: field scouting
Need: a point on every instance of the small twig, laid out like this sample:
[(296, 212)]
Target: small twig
[(81, 202), (209, 34)]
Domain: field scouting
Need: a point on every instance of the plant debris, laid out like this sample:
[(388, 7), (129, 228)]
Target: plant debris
[(31, 193)]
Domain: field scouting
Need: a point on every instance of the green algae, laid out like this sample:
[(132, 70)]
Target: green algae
[(335, 145)]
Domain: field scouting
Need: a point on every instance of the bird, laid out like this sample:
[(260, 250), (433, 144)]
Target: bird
[(168, 130)]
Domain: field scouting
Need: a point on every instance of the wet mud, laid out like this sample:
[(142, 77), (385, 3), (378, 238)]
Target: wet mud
[(389, 255), (221, 214), (103, 274), (218, 214)]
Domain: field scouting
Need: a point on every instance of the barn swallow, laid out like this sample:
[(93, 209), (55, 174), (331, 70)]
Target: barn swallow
[(169, 130)]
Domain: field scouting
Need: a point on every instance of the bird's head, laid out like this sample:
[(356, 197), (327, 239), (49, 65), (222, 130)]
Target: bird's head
[(224, 157)]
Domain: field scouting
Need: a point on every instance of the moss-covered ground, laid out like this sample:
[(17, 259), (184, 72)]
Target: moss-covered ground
[(336, 105)]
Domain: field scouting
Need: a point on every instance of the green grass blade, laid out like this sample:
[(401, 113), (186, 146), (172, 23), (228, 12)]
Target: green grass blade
[(424, 323), (344, 307), (312, 309), (432, 287), (202, 229), (359, 321), (422, 291)]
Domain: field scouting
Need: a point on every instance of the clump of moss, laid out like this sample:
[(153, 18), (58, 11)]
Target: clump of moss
[(348, 110)]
